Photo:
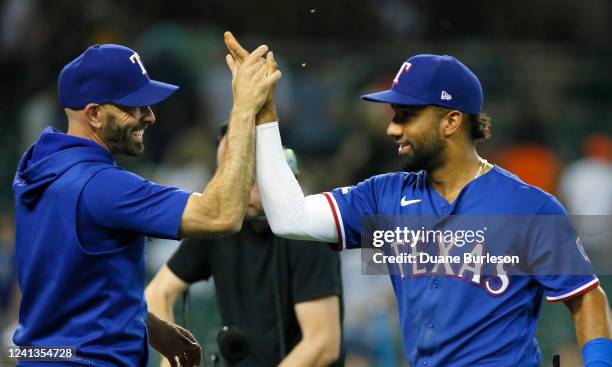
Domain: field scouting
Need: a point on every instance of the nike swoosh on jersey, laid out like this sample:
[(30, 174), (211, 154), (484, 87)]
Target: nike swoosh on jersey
[(405, 202)]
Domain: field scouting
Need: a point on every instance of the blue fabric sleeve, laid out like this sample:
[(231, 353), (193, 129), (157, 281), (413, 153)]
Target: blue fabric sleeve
[(597, 353), (557, 258), (123, 201), (350, 204)]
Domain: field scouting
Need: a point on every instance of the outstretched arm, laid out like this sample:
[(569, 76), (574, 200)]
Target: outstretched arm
[(290, 214), (221, 207)]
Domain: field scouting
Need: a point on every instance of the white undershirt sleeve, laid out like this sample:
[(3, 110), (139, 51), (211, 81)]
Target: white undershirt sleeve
[(290, 214)]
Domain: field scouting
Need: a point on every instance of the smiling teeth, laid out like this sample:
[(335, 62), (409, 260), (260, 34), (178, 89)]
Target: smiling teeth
[(404, 148)]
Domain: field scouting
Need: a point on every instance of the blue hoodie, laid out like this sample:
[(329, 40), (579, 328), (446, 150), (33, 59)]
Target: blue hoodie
[(73, 296)]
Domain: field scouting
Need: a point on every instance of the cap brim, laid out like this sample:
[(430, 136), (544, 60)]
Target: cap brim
[(392, 97), (147, 95)]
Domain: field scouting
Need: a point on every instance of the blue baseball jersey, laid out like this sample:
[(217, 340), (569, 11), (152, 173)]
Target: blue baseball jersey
[(459, 318)]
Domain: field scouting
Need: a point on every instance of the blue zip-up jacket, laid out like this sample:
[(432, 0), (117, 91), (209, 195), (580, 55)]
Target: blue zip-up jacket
[(72, 297)]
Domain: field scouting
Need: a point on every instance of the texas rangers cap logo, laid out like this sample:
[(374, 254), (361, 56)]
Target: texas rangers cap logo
[(404, 68)]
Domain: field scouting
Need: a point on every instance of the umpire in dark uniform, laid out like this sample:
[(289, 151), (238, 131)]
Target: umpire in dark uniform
[(283, 297)]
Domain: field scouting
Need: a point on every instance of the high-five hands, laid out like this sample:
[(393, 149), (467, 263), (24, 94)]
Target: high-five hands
[(239, 56)]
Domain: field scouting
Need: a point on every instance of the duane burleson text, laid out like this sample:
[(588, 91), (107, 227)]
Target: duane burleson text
[(423, 258)]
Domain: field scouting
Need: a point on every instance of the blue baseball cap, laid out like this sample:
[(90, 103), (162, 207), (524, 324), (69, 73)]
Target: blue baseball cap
[(109, 74), (433, 80)]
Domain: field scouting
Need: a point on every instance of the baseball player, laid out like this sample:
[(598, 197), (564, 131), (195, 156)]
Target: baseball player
[(81, 221), (447, 319)]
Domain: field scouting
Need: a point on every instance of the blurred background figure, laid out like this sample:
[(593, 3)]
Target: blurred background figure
[(586, 188), (586, 184), (280, 300)]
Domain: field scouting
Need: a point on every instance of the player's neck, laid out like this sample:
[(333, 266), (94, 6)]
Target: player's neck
[(459, 169)]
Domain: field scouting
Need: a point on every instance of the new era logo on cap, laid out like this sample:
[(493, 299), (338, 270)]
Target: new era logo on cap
[(433, 80), (109, 74)]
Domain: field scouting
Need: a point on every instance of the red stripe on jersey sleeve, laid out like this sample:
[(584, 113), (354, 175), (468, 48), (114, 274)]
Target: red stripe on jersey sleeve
[(335, 214), (575, 293)]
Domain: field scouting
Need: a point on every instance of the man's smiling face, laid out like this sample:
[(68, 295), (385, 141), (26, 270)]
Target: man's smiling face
[(416, 129)]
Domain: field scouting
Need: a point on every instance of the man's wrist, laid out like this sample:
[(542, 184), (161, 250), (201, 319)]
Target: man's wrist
[(152, 320), (265, 118), (243, 112)]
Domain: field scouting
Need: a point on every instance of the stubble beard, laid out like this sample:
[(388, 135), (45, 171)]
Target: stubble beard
[(428, 153), (120, 139)]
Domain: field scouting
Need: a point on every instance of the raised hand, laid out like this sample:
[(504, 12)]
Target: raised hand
[(251, 79), (268, 111), (236, 50)]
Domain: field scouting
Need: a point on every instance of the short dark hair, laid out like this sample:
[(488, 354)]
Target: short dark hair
[(479, 124)]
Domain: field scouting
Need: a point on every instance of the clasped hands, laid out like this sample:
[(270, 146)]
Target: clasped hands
[(243, 64)]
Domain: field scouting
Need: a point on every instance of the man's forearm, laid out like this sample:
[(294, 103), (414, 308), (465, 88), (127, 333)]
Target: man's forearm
[(591, 315), (162, 292), (290, 214), (229, 189), (161, 307)]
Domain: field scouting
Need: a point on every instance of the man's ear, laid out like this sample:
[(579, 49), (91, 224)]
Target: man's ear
[(451, 123), (93, 112)]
